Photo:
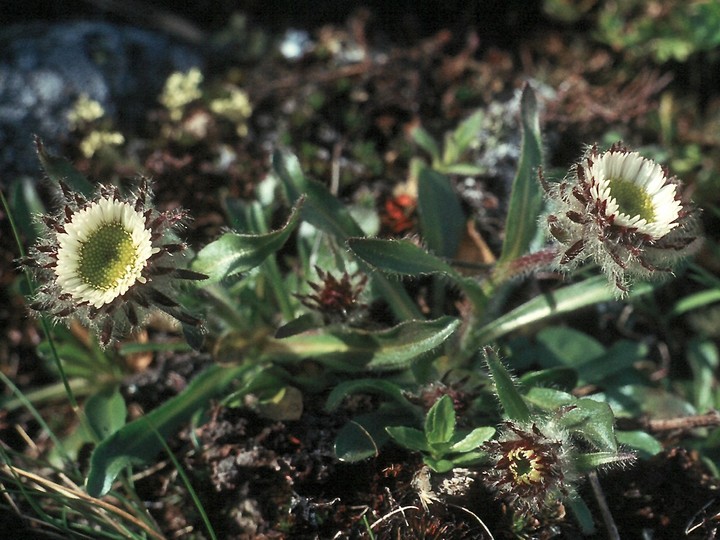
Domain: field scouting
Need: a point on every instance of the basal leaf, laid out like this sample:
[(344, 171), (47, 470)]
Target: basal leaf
[(106, 412), (579, 295), (321, 209), (403, 257), (426, 142), (367, 386), (557, 377), (399, 257), (644, 443), (363, 436), (526, 196), (567, 347), (355, 443), (25, 204), (233, 253), (440, 466), (463, 169), (703, 358), (473, 440), (593, 421), (442, 220), (512, 402), (440, 422), (137, 441), (352, 350), (410, 438), (462, 137)]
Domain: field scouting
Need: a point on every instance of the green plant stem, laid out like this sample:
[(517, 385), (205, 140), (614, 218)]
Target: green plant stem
[(45, 324)]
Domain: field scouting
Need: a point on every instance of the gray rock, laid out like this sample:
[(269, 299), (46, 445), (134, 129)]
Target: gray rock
[(45, 67)]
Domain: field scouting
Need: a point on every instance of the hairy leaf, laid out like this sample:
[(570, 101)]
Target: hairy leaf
[(233, 253), (137, 441), (526, 196)]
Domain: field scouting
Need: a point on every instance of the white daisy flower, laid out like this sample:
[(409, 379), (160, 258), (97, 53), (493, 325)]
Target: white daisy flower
[(103, 252), (622, 211), (635, 191), (107, 262)]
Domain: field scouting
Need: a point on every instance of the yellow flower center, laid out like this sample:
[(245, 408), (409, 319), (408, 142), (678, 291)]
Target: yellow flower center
[(632, 199), (526, 466), (107, 256)]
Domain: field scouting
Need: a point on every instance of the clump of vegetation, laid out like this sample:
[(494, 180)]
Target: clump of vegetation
[(337, 357)]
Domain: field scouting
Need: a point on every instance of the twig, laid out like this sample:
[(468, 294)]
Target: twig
[(681, 423)]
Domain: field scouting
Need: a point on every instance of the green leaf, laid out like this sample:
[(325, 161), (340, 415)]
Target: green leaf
[(405, 258), (703, 358), (579, 295), (362, 437), (321, 209), (106, 412), (234, 253), (695, 301), (367, 386), (594, 460), (355, 443), (410, 438), (440, 421), (620, 358), (440, 466), (593, 421), (636, 400), (352, 350), (127, 349), (473, 440), (463, 169), (442, 220), (557, 377), (582, 514), (59, 169), (567, 347), (526, 196), (549, 399), (468, 458), (426, 142), (264, 383), (399, 257), (25, 204), (644, 443), (137, 442), (512, 402), (460, 139)]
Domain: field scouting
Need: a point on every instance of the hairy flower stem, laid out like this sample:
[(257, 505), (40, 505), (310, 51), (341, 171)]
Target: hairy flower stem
[(522, 266)]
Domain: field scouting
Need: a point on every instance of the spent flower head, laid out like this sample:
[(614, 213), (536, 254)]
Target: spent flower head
[(336, 299), (108, 261), (530, 467), (622, 211)]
